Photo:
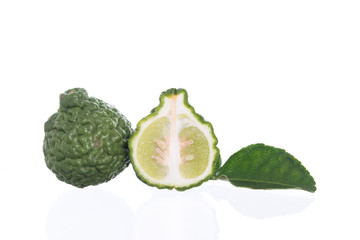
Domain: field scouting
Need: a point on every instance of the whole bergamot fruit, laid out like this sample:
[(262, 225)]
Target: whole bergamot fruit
[(86, 140)]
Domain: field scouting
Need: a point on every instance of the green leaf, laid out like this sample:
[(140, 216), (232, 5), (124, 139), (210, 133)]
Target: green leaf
[(260, 166)]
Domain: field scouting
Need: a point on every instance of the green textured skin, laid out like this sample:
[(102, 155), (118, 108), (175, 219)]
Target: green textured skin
[(217, 160), (86, 140), (259, 166)]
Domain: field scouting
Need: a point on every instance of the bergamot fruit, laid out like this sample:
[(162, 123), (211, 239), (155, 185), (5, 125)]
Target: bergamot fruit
[(174, 147), (86, 140)]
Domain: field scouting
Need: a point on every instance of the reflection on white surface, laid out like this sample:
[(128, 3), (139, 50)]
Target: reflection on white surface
[(176, 215), (262, 203), (89, 214), (96, 214)]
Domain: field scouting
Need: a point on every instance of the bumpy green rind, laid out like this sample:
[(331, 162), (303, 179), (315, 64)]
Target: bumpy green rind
[(217, 160), (259, 166), (86, 140)]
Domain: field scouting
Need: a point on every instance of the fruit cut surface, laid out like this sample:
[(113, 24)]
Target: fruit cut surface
[(174, 147)]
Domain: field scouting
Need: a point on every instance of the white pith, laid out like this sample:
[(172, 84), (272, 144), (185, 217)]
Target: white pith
[(174, 106)]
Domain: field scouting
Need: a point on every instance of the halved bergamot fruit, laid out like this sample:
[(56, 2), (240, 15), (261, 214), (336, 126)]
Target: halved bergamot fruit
[(174, 147)]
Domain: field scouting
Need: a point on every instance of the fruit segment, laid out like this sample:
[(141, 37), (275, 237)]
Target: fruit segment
[(152, 151), (194, 154)]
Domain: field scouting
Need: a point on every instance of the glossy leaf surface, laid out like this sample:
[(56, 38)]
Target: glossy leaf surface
[(259, 166)]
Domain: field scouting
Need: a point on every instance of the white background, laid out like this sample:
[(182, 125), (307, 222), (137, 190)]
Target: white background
[(283, 73)]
